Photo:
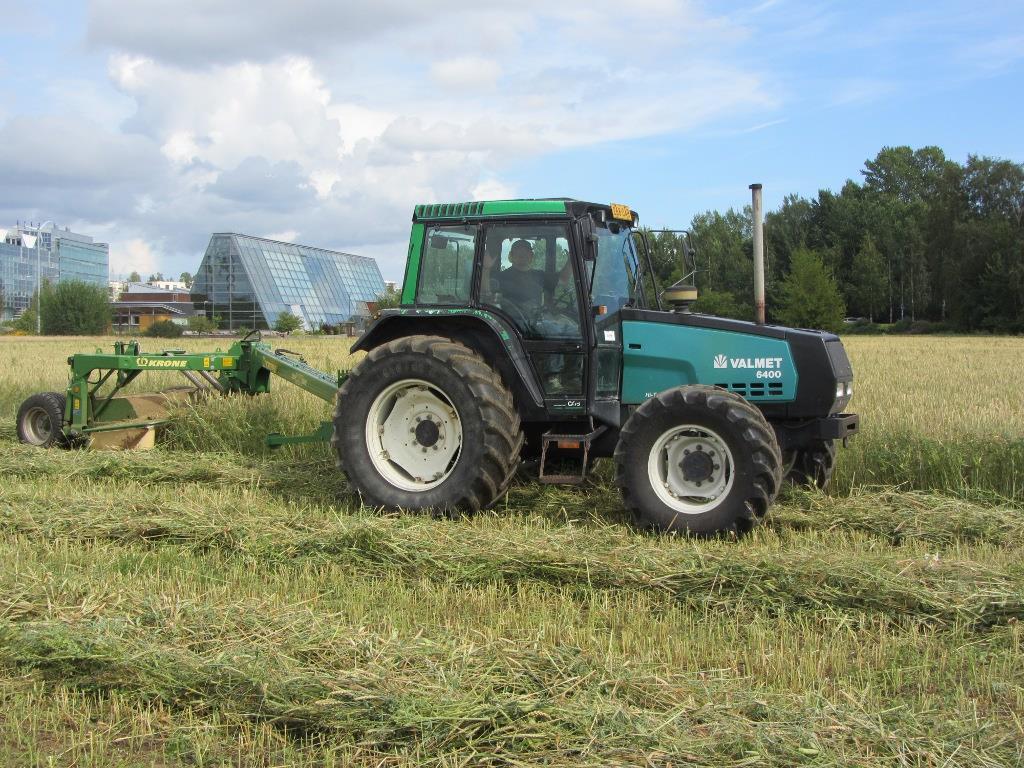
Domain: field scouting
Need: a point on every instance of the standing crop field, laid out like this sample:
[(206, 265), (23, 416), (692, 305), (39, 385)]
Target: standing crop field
[(209, 603)]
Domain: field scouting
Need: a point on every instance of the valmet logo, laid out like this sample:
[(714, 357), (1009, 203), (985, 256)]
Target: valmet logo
[(721, 361), (149, 362)]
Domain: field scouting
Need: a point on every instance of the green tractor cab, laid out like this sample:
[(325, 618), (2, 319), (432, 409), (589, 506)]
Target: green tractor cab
[(533, 330)]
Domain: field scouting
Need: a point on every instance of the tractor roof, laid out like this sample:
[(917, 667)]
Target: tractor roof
[(554, 206)]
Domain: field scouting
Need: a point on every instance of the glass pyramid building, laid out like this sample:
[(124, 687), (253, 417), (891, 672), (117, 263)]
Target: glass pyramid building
[(248, 281)]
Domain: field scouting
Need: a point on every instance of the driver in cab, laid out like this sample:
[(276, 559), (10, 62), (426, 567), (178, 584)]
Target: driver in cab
[(520, 285)]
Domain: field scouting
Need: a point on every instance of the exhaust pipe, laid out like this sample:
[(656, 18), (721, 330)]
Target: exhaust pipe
[(755, 190)]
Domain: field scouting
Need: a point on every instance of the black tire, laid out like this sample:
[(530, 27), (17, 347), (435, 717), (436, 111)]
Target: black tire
[(757, 462), (41, 420), (812, 466), (491, 435)]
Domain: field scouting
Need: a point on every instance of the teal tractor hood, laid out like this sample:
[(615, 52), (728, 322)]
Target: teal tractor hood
[(659, 356)]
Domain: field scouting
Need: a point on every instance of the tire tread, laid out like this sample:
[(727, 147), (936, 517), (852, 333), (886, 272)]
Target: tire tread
[(55, 403), (502, 435), (754, 430)]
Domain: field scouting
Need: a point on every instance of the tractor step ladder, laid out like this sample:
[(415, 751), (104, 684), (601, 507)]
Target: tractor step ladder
[(573, 443)]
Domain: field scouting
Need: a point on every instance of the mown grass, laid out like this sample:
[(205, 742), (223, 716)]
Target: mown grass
[(211, 603), (308, 631)]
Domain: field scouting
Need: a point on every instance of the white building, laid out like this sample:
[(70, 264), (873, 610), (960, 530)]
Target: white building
[(168, 285)]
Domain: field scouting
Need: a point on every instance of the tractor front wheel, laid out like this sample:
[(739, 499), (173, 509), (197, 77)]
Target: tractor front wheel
[(424, 422), (41, 420), (698, 459)]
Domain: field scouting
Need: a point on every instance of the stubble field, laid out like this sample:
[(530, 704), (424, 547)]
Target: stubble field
[(208, 603)]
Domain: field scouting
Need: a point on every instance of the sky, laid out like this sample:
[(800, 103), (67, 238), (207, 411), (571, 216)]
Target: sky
[(150, 124)]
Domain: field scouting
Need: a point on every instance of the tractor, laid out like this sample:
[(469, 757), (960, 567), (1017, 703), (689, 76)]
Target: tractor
[(531, 333)]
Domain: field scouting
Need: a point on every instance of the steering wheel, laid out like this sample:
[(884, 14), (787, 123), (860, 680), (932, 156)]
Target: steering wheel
[(564, 302)]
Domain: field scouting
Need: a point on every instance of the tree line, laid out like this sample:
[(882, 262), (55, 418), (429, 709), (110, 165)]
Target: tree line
[(920, 239), (158, 277)]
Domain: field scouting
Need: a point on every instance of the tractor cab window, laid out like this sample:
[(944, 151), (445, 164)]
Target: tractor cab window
[(527, 274), (446, 269), (614, 272)]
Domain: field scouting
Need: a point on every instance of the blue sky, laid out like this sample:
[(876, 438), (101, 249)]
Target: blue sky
[(152, 123)]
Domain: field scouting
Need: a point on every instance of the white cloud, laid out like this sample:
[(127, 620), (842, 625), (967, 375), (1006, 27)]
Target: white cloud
[(285, 236), (493, 189), (180, 147), (225, 114), (132, 256), (78, 95), (197, 34), (466, 72), (72, 152), (357, 123)]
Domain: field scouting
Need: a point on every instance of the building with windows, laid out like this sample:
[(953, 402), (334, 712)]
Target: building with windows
[(30, 253), (139, 305), (248, 281)]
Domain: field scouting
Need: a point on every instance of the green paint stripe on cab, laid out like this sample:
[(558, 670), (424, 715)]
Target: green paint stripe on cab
[(659, 356), (503, 207)]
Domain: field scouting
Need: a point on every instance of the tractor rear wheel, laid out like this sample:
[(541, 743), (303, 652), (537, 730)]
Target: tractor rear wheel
[(811, 466), (424, 422), (700, 460), (41, 420)]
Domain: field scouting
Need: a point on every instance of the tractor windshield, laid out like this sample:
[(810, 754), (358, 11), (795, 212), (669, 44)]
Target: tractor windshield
[(615, 271)]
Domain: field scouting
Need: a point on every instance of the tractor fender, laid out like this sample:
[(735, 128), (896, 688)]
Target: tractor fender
[(483, 332)]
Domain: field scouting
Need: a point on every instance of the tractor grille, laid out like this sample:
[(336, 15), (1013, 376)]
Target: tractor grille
[(754, 390), (449, 210)]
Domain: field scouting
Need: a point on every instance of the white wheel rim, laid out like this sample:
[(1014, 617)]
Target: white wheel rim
[(414, 435), (37, 425), (691, 469)]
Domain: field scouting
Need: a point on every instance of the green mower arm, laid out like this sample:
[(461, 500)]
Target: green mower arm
[(290, 367), (245, 367)]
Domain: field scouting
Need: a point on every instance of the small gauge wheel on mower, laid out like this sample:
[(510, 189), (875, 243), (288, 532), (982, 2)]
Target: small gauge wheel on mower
[(424, 422), (698, 459), (41, 420), (812, 465)]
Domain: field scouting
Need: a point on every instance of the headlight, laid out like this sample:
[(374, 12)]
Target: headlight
[(844, 391)]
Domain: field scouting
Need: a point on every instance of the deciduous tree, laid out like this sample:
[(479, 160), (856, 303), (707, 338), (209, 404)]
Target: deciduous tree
[(287, 322)]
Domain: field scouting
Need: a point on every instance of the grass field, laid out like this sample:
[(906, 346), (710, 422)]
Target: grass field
[(209, 604)]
